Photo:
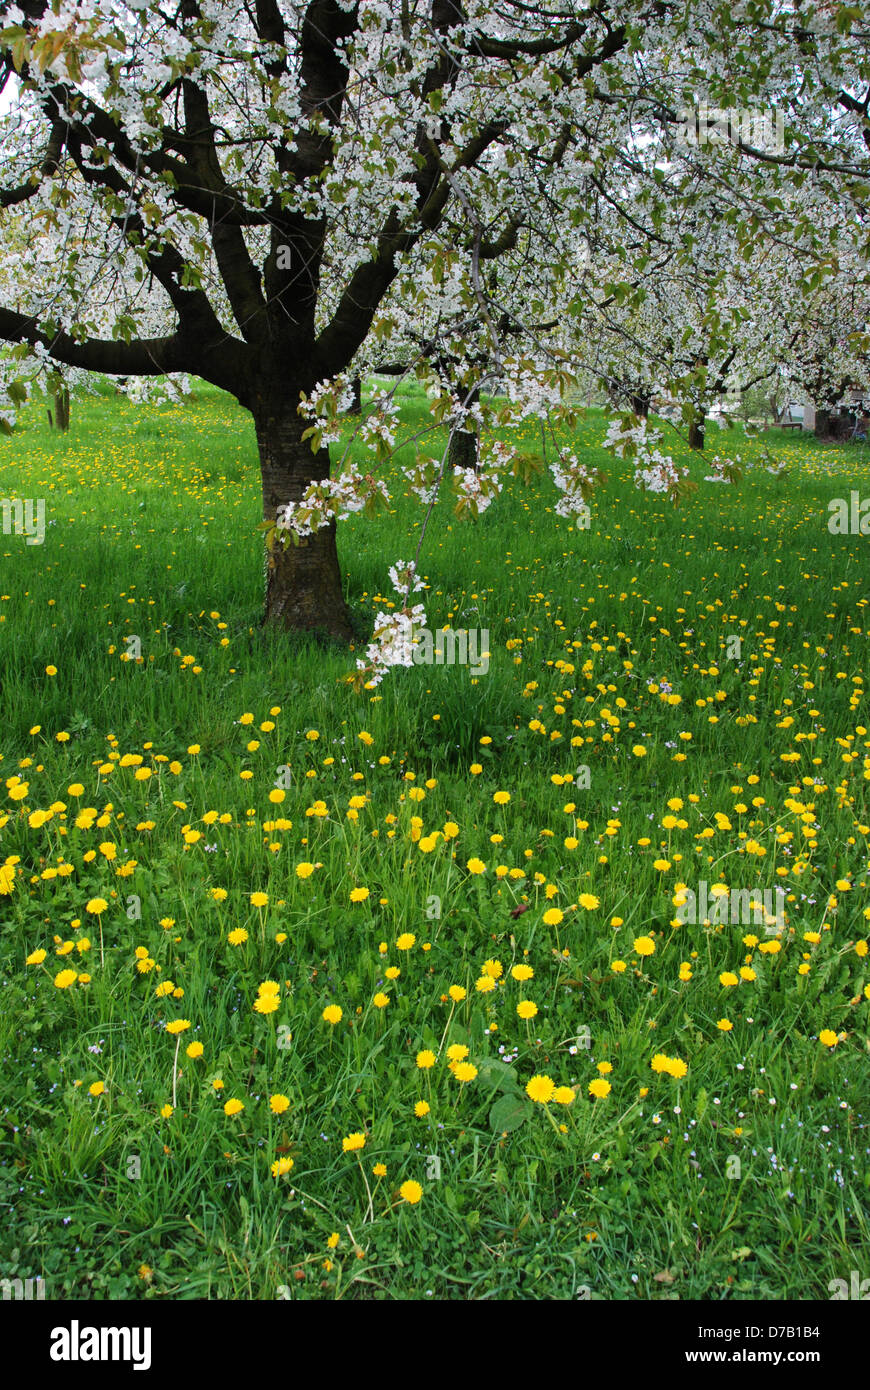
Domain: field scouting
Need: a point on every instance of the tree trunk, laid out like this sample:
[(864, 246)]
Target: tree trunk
[(640, 405), (356, 404), (463, 445), (463, 450), (823, 424), (696, 435), (303, 582)]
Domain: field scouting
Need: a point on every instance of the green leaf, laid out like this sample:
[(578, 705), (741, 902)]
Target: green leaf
[(498, 1075), (508, 1113)]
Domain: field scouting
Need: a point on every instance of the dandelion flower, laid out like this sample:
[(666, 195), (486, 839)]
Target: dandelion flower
[(266, 1003), (465, 1071), (541, 1089)]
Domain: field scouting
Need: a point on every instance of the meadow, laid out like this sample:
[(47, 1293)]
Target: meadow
[(417, 1017)]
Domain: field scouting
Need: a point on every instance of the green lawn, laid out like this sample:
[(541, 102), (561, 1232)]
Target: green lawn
[(738, 1170)]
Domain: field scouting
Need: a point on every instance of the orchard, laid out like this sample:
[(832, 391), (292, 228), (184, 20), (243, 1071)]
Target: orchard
[(434, 764)]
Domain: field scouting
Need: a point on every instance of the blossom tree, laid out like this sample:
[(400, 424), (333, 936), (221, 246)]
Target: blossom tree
[(270, 170), (830, 354)]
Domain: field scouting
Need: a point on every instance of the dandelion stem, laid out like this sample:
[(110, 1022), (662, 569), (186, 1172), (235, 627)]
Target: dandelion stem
[(447, 1026), (371, 1211), (549, 1115)]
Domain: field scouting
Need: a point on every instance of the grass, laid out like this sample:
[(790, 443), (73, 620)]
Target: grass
[(745, 1177)]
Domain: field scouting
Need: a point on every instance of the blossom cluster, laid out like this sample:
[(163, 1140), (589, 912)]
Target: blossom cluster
[(333, 499), (575, 481), (392, 642)]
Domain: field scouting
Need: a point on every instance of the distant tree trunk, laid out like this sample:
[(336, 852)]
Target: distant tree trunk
[(60, 420), (303, 581), (696, 434), (824, 424), (697, 426), (640, 404), (356, 404)]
